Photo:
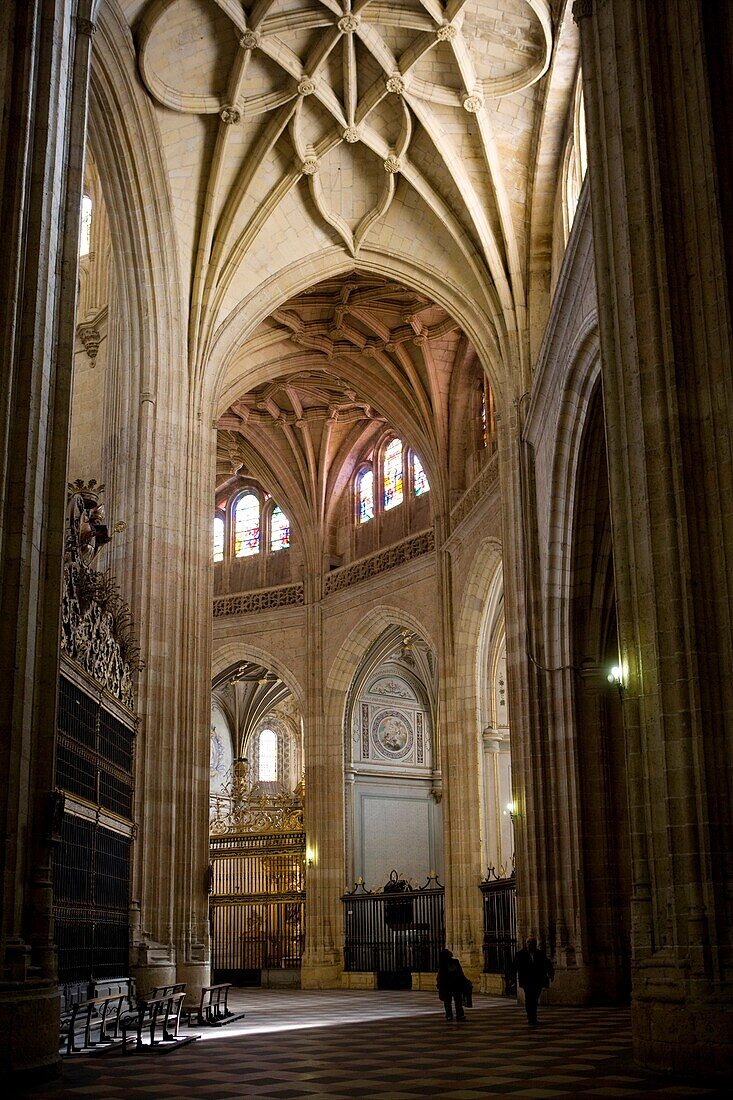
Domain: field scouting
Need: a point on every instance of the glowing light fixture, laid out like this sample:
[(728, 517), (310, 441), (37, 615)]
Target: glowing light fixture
[(615, 676)]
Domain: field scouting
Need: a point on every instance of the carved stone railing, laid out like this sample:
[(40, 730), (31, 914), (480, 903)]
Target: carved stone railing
[(263, 599), (481, 485), (380, 562)]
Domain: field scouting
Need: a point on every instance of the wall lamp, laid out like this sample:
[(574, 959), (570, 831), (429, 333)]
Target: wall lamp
[(512, 811), (310, 857), (616, 676)]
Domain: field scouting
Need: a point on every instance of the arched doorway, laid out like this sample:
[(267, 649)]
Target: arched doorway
[(257, 836)]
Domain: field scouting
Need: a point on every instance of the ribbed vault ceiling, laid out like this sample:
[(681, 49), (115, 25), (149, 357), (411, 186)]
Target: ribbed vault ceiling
[(327, 373), (387, 126)]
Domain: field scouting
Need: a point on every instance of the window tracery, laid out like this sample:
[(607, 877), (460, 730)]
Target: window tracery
[(249, 521), (392, 476)]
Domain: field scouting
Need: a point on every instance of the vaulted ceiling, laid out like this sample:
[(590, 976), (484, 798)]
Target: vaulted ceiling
[(375, 127), (319, 381)]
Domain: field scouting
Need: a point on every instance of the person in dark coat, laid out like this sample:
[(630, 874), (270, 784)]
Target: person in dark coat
[(451, 984), (534, 973)]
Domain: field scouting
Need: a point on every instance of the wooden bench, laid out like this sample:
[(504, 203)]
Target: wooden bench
[(161, 1012), (85, 1016), (213, 1008)]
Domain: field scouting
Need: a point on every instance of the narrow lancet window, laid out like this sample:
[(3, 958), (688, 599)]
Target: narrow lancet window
[(366, 496), (218, 538), (279, 530), (420, 483), (267, 772), (85, 232), (393, 475), (247, 526)]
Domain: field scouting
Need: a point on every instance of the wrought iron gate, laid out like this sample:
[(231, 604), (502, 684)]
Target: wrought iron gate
[(257, 903), (500, 928)]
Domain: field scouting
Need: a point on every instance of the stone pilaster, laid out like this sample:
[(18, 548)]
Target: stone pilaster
[(664, 308)]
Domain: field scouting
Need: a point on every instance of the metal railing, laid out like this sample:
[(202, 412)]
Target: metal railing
[(396, 929)]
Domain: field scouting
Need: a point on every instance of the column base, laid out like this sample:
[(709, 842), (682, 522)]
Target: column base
[(320, 976), (196, 976), (691, 1038), (29, 1031)]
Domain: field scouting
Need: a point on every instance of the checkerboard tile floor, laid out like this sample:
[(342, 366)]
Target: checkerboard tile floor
[(388, 1045)]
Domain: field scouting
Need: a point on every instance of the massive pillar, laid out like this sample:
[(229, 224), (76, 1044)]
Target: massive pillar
[(159, 464), (657, 81), (44, 61)]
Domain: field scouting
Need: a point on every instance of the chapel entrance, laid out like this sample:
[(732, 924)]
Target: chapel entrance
[(257, 836)]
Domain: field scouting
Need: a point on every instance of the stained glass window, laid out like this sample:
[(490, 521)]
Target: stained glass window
[(279, 530), (393, 474), (484, 424), (247, 526), (267, 772), (366, 496), (218, 538), (420, 483), (85, 233)]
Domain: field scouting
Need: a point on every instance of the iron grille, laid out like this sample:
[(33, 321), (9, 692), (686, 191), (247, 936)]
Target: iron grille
[(500, 927), (388, 933), (94, 752)]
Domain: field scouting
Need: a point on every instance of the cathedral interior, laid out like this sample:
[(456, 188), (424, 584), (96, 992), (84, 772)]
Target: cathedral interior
[(367, 505)]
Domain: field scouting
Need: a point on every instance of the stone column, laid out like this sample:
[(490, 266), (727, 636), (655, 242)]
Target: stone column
[(660, 223), (44, 56), (460, 803), (324, 813)]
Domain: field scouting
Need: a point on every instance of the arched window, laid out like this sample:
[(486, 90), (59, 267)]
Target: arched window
[(365, 495), (85, 232), (267, 757), (420, 483), (487, 424), (218, 538), (247, 526), (392, 475), (576, 158), (279, 530)]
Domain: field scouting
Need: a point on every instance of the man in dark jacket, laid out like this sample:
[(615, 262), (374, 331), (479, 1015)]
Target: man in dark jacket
[(534, 973), (451, 984)]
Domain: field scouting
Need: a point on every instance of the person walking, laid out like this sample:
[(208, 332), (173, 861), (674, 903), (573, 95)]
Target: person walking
[(534, 973), (451, 984)]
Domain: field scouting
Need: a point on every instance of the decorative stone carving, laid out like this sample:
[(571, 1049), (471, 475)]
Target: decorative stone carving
[(351, 134), (348, 23), (309, 166), (392, 164), (86, 26), (266, 599), (396, 84), (96, 623), (306, 86), (446, 33), (230, 116), (407, 550), (91, 338), (250, 40), (473, 103)]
